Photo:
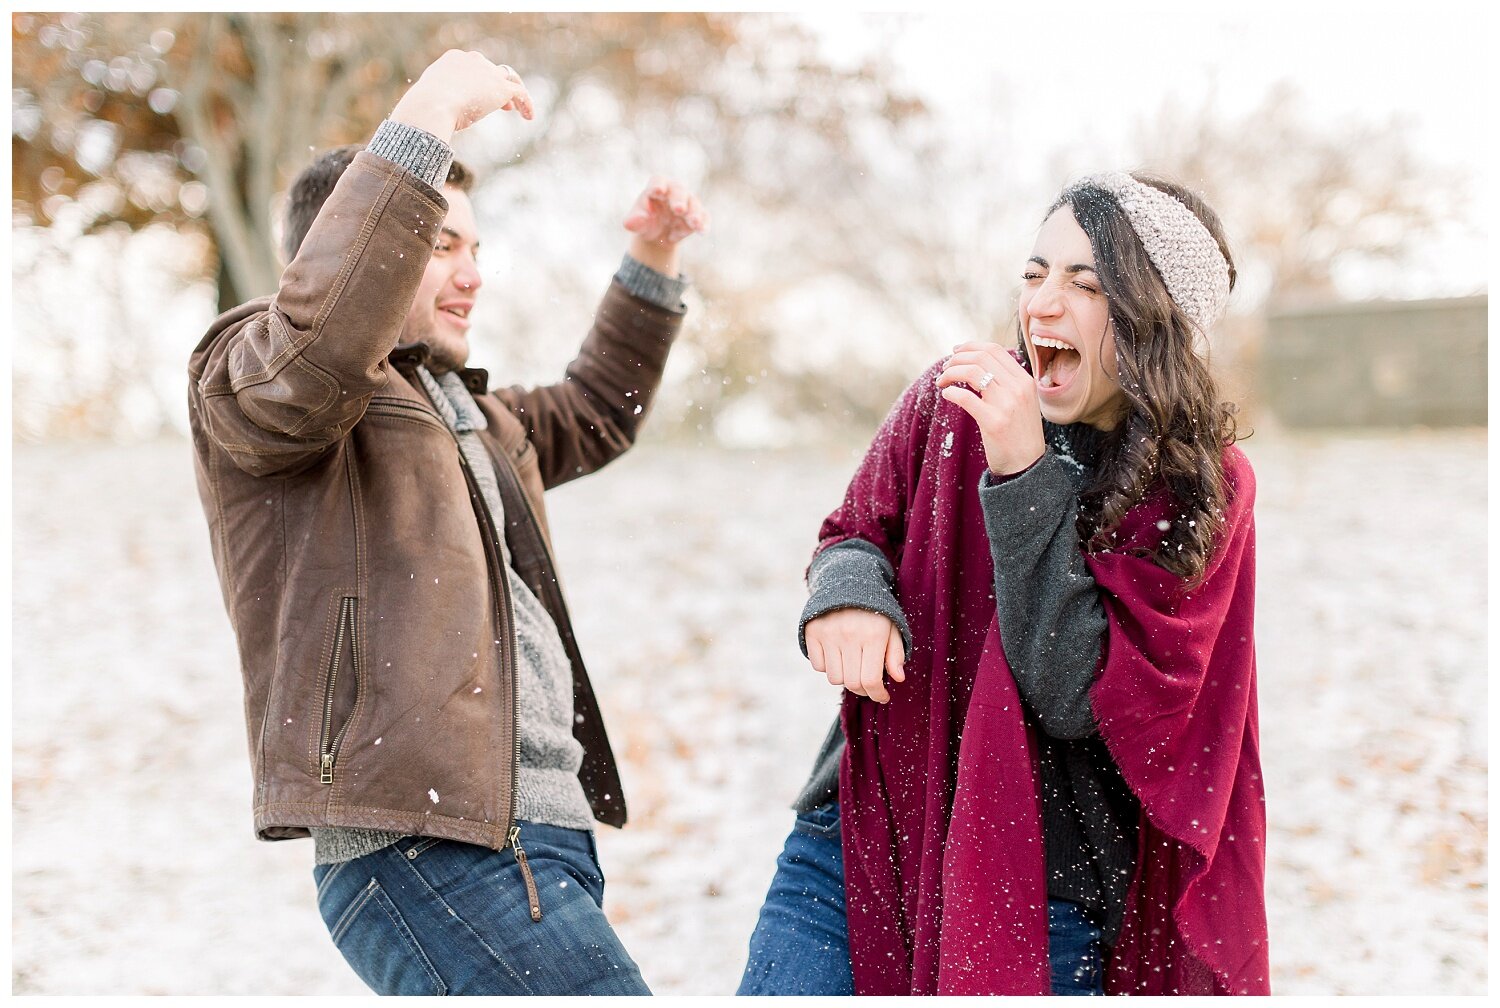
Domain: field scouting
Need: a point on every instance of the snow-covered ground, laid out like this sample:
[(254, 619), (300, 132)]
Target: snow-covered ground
[(135, 870)]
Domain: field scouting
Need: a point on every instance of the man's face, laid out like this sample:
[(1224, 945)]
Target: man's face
[(439, 316)]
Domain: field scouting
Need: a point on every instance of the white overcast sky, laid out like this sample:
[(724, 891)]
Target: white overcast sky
[(1067, 71), (1423, 60)]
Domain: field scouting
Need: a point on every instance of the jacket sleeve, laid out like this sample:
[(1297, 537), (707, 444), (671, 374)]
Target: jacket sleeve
[(278, 382), (594, 414)]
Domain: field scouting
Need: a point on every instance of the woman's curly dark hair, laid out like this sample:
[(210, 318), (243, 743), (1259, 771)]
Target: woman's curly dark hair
[(1176, 427)]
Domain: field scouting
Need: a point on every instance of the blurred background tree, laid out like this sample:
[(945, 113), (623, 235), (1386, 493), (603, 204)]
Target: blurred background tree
[(199, 121), (856, 234)]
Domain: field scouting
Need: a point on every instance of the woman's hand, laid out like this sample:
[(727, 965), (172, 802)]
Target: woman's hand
[(1001, 397), (853, 647)]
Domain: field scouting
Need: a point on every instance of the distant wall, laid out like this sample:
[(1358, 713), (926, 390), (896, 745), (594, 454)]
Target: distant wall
[(1377, 364)]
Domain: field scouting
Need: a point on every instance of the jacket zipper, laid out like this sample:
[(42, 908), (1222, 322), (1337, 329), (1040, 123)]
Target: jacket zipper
[(531, 893), (501, 586), (329, 747)]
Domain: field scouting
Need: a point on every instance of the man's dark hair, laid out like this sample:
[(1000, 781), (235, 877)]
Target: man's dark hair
[(310, 191)]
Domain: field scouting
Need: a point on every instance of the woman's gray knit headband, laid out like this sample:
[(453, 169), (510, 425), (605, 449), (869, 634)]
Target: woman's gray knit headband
[(1180, 247)]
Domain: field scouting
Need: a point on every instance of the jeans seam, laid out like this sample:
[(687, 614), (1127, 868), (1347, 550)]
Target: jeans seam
[(403, 932), (332, 874), (469, 927), (352, 910)]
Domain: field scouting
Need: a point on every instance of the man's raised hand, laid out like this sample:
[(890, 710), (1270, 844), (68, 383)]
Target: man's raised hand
[(457, 90), (664, 214)]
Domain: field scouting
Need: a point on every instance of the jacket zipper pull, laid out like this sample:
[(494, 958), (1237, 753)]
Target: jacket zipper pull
[(531, 893), (328, 768)]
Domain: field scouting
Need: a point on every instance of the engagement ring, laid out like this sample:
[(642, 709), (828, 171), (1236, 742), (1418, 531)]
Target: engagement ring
[(984, 380)]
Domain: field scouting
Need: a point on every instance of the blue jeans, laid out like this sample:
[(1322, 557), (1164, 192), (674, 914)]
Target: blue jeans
[(801, 942), (428, 916)]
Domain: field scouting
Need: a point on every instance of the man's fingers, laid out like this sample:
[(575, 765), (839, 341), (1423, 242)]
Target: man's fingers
[(697, 217), (666, 212), (522, 100), (639, 214)]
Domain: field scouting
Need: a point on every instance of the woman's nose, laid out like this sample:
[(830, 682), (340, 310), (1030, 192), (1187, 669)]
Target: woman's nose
[(1044, 303)]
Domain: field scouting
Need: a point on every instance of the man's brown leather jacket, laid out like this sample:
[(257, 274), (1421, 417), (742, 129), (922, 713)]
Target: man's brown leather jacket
[(360, 566)]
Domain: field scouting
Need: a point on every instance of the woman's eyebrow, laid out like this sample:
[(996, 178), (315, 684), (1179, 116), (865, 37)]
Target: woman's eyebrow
[(1075, 268)]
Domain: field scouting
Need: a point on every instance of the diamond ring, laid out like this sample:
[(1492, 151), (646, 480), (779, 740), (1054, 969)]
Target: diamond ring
[(984, 380)]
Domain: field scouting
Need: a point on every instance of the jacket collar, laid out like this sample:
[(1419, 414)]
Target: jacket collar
[(476, 380)]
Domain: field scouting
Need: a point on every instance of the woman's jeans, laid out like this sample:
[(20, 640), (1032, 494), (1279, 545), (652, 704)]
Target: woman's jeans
[(428, 916), (801, 943)]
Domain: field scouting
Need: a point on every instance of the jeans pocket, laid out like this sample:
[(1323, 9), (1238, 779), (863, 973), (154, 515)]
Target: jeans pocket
[(419, 846), (377, 943)]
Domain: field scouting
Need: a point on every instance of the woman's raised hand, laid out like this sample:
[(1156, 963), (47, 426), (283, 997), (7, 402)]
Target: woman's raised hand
[(990, 385), (855, 648)]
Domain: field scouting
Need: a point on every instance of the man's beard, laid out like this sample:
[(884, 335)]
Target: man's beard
[(449, 351)]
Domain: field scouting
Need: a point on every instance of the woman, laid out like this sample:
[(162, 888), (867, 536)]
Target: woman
[(1038, 594)]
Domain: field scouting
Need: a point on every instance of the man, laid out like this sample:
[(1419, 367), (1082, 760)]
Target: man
[(414, 695)]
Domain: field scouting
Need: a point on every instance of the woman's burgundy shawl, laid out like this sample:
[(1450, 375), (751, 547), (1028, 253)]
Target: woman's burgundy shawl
[(942, 826)]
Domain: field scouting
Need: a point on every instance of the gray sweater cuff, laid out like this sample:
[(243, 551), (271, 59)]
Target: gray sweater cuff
[(649, 285), (1021, 508), (853, 574), (416, 150)]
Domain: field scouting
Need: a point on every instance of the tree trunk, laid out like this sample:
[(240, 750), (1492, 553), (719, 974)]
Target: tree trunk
[(229, 294)]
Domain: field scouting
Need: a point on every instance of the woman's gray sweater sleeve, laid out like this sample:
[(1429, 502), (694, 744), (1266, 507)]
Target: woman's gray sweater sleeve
[(853, 574), (1052, 624)]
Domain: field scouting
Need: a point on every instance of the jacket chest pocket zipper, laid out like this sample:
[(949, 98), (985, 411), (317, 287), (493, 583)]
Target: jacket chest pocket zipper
[(343, 640)]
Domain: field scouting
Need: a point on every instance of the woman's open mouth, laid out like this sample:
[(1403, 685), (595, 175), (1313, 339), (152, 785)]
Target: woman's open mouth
[(1056, 362)]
